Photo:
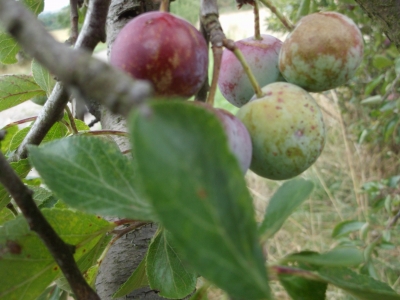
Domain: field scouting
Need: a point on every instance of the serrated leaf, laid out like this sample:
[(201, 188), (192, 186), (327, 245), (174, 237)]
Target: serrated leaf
[(303, 288), (10, 132), (57, 131), (18, 138), (337, 257), (42, 77), (26, 266), (346, 227), (360, 286), (40, 194), (5, 216), (16, 89), (90, 174), (8, 49), (137, 280), (22, 168), (199, 194), (166, 272), (283, 203)]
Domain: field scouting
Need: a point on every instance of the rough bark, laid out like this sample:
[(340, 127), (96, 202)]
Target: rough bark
[(387, 14), (126, 254)]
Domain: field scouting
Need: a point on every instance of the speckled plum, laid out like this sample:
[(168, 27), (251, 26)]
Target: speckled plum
[(323, 51), (164, 49), (287, 131), (238, 137), (262, 57)]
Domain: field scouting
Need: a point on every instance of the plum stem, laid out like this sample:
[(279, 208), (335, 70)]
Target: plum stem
[(257, 34), (230, 45), (217, 53), (164, 6), (285, 21)]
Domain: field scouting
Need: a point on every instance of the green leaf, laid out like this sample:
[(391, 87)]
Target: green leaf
[(304, 9), (199, 194), (42, 77), (87, 264), (22, 168), (16, 89), (90, 174), (8, 46), (373, 84), (10, 131), (381, 61), (337, 257), (303, 288), (372, 100), (283, 203), (8, 49), (35, 6), (345, 227), (5, 216), (57, 131), (137, 280), (360, 286), (397, 66), (40, 194), (166, 271), (26, 266)]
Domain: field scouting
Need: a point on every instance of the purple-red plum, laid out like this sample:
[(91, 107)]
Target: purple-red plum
[(239, 140), (262, 58), (164, 49)]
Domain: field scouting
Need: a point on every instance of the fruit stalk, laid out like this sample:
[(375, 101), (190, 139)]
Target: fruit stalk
[(285, 21), (257, 34), (164, 6), (230, 45), (217, 54)]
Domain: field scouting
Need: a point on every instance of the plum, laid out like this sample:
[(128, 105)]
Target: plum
[(164, 49), (286, 129), (238, 137), (262, 57), (323, 51)]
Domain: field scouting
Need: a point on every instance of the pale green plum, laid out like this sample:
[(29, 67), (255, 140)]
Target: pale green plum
[(286, 129)]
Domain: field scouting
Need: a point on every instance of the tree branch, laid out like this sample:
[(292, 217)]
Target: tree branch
[(74, 19), (61, 252), (387, 14), (87, 76)]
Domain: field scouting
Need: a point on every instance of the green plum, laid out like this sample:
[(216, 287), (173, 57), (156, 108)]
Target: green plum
[(322, 52), (286, 129)]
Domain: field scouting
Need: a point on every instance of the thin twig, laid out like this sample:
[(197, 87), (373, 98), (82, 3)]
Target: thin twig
[(229, 44), (61, 252), (71, 120), (104, 132), (285, 21), (210, 23), (257, 34)]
